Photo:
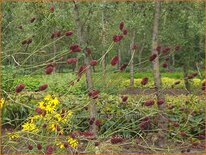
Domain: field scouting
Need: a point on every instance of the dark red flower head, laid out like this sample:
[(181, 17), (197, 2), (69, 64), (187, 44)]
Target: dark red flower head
[(114, 60), (124, 98), (195, 74), (33, 19), (93, 62), (167, 59), (91, 121), (146, 119), (203, 88), (116, 139), (121, 25), (166, 50), (66, 144), (51, 64), (145, 80), (49, 70), (52, 9), (164, 65), (143, 125), (190, 76), (117, 38), (43, 87), (201, 136), (149, 102), (175, 124), (158, 49), (30, 147), (69, 33), (29, 41), (183, 134), (160, 102), (72, 60), (94, 94), (19, 88), (152, 57), (177, 48), (89, 51), (134, 46), (44, 125), (57, 127), (145, 122), (39, 146), (56, 34), (123, 67), (98, 122), (204, 84), (49, 150), (82, 70), (75, 48), (86, 134), (39, 111), (125, 32)]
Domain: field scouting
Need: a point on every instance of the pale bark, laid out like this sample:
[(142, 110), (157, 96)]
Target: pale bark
[(140, 53), (81, 38), (162, 122), (119, 55), (103, 44), (132, 61)]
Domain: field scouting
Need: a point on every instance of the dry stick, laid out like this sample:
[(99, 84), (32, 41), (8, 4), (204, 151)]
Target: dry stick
[(15, 61)]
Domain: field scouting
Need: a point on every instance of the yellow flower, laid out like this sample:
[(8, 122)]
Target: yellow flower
[(29, 127), (48, 97), (2, 101), (72, 142), (13, 135), (58, 117), (61, 146), (42, 105), (67, 117)]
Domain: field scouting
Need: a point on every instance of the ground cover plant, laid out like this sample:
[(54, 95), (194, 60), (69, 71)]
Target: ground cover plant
[(103, 77)]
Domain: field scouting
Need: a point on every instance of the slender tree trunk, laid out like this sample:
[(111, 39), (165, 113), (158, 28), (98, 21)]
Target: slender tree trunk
[(103, 44), (132, 61), (119, 55), (140, 54), (92, 106), (162, 121), (173, 59), (186, 81)]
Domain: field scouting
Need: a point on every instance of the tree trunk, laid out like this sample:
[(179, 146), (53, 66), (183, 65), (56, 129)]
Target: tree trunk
[(162, 121), (140, 54), (186, 81), (119, 56), (92, 106), (103, 44), (132, 61)]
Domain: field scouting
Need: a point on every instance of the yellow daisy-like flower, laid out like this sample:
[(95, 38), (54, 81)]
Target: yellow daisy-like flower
[(34, 118), (48, 97), (42, 105), (58, 117), (72, 142), (2, 101), (55, 101), (13, 135), (67, 117), (61, 146), (52, 127), (31, 127)]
